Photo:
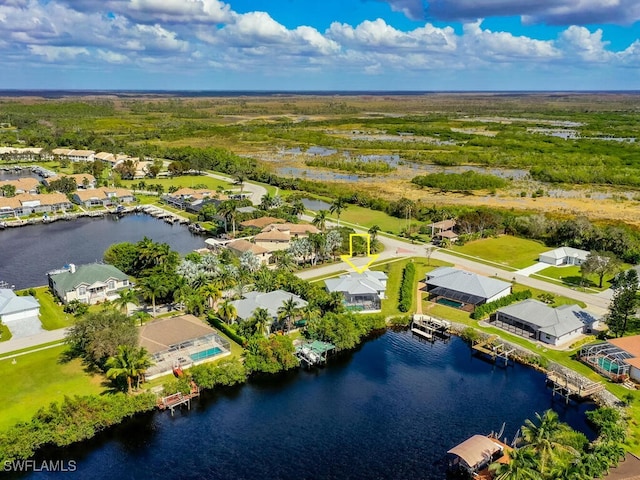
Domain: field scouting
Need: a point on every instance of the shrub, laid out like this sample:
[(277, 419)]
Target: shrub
[(470, 335), (225, 373), (406, 287), (230, 332), (483, 311)]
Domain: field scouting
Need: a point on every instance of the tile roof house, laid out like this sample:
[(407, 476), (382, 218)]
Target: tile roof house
[(26, 204), (278, 236), (23, 185), (464, 287), (92, 283), (270, 301), (106, 157), (191, 199), (238, 247), (361, 291), (24, 154), (296, 230), (630, 345), (83, 180), (74, 155), (536, 320), (617, 358), (261, 222), (102, 197), (564, 256), (19, 313)]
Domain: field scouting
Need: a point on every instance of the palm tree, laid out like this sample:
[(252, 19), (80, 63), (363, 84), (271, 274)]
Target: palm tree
[(287, 311), (130, 362), (542, 437), (266, 202), (284, 260), (229, 210), (338, 206), (320, 220), (521, 466), (240, 178), (151, 288), (297, 207), (262, 321), (125, 297), (227, 312), (373, 232), (211, 292)]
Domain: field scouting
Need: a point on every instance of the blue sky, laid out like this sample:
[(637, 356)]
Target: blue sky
[(320, 45)]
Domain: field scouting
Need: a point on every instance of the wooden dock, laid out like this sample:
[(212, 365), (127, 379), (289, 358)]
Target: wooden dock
[(429, 328), (494, 351), (175, 400), (568, 385)]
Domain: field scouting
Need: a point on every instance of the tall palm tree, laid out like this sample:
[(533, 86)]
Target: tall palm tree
[(320, 220), (229, 210), (266, 202), (262, 321), (542, 437), (130, 362), (287, 311), (240, 178), (373, 232), (125, 297), (151, 288), (297, 207), (284, 260), (211, 292), (338, 206), (521, 466), (227, 312)]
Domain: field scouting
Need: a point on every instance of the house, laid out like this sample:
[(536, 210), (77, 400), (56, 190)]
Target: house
[(564, 256), (440, 227), (106, 157), (102, 197), (295, 230), (617, 359), (192, 200), (24, 154), (270, 301), (538, 321), (26, 204), (23, 185), (278, 236), (453, 287), (19, 313), (83, 180), (261, 222), (93, 283), (74, 155), (238, 247), (361, 291)]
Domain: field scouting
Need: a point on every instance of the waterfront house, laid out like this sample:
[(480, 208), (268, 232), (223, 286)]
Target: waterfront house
[(14, 308), (361, 291), (270, 301), (538, 321), (261, 222), (294, 230), (459, 288), (83, 180), (564, 256), (22, 185), (74, 155), (192, 200), (92, 283), (24, 154), (278, 236), (617, 359), (103, 197), (26, 204), (238, 247)]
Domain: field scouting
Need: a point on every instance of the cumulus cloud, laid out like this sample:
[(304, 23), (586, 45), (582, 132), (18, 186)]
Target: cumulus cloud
[(555, 12), (580, 42), (54, 54)]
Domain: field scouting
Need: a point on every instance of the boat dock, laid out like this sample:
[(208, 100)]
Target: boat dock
[(175, 400), (569, 384), (493, 350), (314, 353), (429, 327)]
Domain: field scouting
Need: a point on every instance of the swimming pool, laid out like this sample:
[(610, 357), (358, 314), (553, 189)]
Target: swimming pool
[(449, 303), (210, 352)]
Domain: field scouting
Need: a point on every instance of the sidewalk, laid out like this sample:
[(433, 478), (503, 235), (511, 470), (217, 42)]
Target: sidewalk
[(31, 341)]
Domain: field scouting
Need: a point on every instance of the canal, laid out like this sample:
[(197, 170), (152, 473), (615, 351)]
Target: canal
[(389, 410), (28, 253)]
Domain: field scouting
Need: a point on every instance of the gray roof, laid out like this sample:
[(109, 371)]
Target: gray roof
[(565, 252), (12, 303), (368, 282), (87, 275), (270, 301), (468, 283), (552, 321)]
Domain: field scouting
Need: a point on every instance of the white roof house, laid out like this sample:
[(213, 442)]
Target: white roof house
[(270, 301), (465, 287), (547, 324), (19, 313), (361, 291), (564, 256)]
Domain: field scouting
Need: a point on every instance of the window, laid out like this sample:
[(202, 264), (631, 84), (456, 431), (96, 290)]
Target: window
[(112, 284), (82, 291), (125, 282)]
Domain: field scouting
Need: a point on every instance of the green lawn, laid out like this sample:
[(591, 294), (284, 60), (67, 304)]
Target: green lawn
[(51, 314), (367, 218), (558, 299), (184, 181), (37, 379), (570, 276), (504, 250), (5, 333)]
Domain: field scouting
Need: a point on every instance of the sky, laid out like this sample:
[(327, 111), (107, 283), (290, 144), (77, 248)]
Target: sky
[(425, 45)]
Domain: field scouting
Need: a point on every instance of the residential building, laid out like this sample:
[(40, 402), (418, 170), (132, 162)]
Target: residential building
[(106, 157), (261, 222), (278, 236), (24, 154), (361, 291), (192, 200), (538, 321), (92, 283), (26, 204), (270, 301), (83, 180), (564, 256), (74, 155), (443, 226), (295, 230), (20, 314), (103, 197), (23, 185), (238, 247), (462, 289), (617, 359)]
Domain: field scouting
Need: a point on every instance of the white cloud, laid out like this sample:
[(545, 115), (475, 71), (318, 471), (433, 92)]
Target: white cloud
[(54, 54), (112, 57), (413, 9), (178, 11), (580, 42)]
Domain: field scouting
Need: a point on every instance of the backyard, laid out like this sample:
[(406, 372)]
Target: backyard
[(504, 250)]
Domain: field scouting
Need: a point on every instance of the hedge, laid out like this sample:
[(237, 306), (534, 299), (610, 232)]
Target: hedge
[(483, 311), (230, 332), (406, 287)]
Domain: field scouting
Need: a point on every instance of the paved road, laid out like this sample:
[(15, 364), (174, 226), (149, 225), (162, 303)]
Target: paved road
[(31, 341), (256, 191)]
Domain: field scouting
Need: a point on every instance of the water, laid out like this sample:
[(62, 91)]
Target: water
[(388, 411), (315, 205), (28, 253)]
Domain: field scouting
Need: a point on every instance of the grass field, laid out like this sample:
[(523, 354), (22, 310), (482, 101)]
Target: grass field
[(184, 181), (5, 333), (368, 218), (570, 276), (51, 314), (558, 299), (37, 379), (504, 250)]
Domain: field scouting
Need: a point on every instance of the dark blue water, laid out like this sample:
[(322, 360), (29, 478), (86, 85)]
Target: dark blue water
[(28, 253), (390, 411)]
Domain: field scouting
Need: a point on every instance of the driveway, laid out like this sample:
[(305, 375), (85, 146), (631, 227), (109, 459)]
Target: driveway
[(535, 268)]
